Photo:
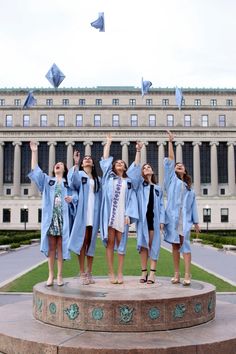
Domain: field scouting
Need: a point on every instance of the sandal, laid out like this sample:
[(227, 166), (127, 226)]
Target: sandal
[(187, 282), (120, 279), (143, 278), (112, 279), (84, 279), (151, 281), (176, 278), (90, 278)]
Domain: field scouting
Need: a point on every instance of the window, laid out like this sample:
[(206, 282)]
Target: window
[(79, 120), (6, 215), (134, 120), (222, 120), (229, 102), (206, 215), (17, 102), (26, 120), (24, 215), (49, 102), (148, 102), (39, 215), (82, 102), (205, 191), (115, 102), (132, 102), (8, 162), (204, 121), (25, 165), (213, 102), (222, 158), (8, 191), (61, 120), (98, 102), (183, 102), (224, 214), (26, 191), (152, 120), (115, 120), (97, 120), (197, 102), (165, 102), (222, 191), (2, 102), (43, 120), (65, 102), (205, 162), (170, 120), (187, 121), (9, 120)]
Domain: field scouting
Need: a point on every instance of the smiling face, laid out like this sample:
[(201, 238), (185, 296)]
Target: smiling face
[(119, 167), (59, 168), (180, 169), (147, 170), (87, 161)]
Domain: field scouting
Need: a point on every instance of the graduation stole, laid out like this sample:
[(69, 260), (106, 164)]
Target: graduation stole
[(115, 200)]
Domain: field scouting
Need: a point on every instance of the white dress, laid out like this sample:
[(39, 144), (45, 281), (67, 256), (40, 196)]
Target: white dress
[(117, 216), (180, 222), (91, 199)]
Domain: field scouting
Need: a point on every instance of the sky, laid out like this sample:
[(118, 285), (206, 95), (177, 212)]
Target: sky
[(184, 43)]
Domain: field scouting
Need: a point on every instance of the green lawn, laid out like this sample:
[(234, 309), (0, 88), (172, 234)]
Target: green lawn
[(132, 267)]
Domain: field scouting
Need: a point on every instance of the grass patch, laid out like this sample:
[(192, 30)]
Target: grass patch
[(132, 266)]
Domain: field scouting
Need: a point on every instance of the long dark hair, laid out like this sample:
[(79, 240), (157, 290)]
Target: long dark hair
[(153, 178), (124, 172), (93, 173), (186, 177), (64, 173)]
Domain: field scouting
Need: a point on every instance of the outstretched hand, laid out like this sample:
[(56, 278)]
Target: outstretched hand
[(76, 157), (171, 135), (33, 146), (109, 138), (139, 145)]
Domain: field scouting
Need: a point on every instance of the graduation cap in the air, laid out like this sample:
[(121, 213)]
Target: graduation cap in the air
[(145, 86), (55, 76), (30, 100), (99, 23), (178, 97)]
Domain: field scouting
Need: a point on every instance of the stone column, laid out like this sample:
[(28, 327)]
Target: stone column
[(34, 189), (17, 165), (179, 152), (52, 156), (144, 153), (196, 167), (161, 155), (69, 155), (1, 169), (231, 168), (214, 168), (88, 145), (125, 152)]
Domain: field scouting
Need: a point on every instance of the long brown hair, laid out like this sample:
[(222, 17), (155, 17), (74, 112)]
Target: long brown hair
[(186, 177), (113, 168), (153, 178)]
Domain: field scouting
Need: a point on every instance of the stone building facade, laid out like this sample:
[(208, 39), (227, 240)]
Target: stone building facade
[(69, 118)]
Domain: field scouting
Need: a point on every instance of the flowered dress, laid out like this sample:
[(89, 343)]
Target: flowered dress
[(56, 226)]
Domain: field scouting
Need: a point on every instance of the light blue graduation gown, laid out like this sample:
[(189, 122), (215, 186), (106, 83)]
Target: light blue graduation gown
[(131, 204), (143, 192), (79, 181), (173, 187), (46, 186)]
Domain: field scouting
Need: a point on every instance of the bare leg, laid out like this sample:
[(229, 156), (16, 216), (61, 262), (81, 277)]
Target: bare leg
[(120, 259), (110, 254), (153, 263), (59, 260), (51, 259), (144, 260), (176, 260), (187, 265)]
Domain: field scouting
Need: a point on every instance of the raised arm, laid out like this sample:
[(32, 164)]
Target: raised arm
[(34, 157), (139, 146), (171, 154), (106, 150), (76, 158)]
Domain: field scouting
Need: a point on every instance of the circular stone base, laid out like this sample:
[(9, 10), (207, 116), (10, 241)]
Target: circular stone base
[(130, 307)]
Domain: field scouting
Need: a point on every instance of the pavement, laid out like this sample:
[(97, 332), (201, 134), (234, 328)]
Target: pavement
[(15, 263)]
